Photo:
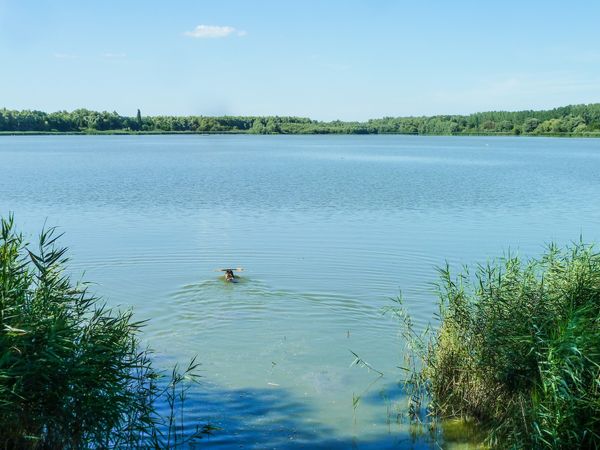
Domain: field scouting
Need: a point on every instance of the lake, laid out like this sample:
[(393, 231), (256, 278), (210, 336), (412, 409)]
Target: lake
[(328, 229)]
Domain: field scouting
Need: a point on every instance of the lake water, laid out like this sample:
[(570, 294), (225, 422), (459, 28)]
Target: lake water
[(328, 229)]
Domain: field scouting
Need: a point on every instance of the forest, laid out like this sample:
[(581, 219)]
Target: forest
[(572, 120)]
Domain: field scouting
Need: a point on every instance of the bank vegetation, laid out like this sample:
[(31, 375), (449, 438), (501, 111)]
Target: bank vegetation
[(516, 351), (73, 373), (573, 120)]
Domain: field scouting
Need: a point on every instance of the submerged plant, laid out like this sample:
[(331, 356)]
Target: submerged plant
[(72, 373), (517, 350)]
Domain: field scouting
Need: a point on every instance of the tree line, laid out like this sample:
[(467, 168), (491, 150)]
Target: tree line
[(565, 120)]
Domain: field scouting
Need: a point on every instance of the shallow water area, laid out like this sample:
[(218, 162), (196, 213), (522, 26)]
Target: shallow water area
[(328, 230)]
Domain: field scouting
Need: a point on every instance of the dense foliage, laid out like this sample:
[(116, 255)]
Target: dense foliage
[(72, 374), (517, 350), (567, 120)]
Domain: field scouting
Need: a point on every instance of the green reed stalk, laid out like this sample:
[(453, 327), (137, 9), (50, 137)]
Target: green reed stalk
[(517, 350), (72, 372)]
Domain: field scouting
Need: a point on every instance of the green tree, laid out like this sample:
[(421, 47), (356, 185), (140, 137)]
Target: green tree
[(505, 126), (257, 126), (138, 120), (530, 125), (489, 125), (272, 126)]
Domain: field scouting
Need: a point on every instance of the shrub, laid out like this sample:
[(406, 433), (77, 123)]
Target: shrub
[(72, 374), (517, 350)]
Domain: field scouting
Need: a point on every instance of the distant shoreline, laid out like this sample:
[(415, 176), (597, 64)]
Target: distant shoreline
[(564, 121), (240, 133)]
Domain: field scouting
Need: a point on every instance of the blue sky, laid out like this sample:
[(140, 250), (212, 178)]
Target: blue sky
[(349, 60)]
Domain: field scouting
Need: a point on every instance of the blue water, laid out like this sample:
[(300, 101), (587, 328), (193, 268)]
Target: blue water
[(328, 229)]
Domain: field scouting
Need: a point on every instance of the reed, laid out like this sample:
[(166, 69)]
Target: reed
[(516, 349), (72, 371)]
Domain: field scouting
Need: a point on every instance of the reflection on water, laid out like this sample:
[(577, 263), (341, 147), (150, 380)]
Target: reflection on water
[(328, 228)]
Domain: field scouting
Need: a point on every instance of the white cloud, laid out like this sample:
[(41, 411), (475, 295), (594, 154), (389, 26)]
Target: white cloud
[(213, 31)]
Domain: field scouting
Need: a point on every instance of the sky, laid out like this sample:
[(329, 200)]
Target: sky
[(326, 59)]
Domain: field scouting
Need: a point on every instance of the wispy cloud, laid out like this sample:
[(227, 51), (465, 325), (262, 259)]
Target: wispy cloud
[(521, 91), (337, 67), (65, 56), (110, 55), (328, 64), (214, 31), (532, 84)]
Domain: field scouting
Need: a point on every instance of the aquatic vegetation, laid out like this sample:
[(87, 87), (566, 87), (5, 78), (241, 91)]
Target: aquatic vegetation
[(517, 350), (72, 371)]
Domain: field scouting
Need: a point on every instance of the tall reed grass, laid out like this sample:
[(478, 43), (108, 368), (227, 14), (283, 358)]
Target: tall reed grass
[(72, 372), (516, 349)]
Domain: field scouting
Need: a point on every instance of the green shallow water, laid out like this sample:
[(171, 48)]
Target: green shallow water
[(328, 228)]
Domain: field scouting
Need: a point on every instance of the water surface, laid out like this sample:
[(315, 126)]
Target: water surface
[(328, 228)]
